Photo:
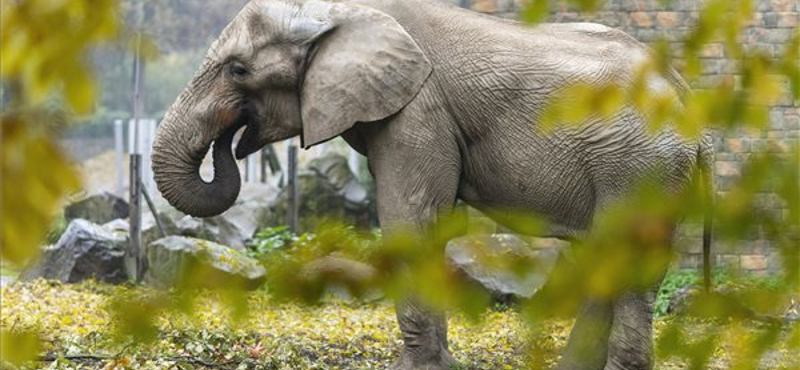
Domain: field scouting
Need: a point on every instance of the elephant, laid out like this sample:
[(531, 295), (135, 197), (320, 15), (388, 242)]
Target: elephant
[(445, 104)]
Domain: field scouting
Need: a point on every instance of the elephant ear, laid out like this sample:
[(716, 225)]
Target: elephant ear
[(366, 68)]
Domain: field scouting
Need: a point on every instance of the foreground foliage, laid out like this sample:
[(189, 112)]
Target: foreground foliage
[(77, 328)]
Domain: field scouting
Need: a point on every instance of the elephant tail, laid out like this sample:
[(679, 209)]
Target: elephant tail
[(705, 162)]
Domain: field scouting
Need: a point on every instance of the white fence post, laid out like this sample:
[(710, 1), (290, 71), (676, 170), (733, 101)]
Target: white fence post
[(119, 151), (148, 134), (131, 133), (251, 167), (143, 145)]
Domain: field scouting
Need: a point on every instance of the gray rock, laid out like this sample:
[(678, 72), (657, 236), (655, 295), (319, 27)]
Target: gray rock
[(85, 250), (150, 230), (336, 171), (196, 228), (236, 225), (98, 208), (483, 258), (118, 226), (329, 190), (182, 261)]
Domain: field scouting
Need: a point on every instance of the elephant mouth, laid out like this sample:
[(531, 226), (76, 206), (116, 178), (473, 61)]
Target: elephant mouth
[(248, 141)]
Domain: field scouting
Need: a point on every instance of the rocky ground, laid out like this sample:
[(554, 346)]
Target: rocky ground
[(92, 240)]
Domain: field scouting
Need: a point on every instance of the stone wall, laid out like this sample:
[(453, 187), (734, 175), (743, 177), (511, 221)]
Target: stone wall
[(649, 21)]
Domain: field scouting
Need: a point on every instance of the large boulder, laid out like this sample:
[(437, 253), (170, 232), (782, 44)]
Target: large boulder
[(183, 261), (236, 225), (98, 208), (483, 258), (328, 190), (196, 228), (336, 171), (150, 229), (85, 250)]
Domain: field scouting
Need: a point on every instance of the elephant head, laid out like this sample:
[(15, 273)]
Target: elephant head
[(282, 68)]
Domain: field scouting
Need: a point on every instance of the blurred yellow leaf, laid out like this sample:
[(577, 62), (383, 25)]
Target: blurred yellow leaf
[(80, 91), (35, 176), (534, 11), (43, 52), (17, 348), (45, 44)]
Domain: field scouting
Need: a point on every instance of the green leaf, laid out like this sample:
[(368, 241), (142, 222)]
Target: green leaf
[(534, 11)]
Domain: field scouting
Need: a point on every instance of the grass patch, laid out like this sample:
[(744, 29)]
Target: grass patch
[(78, 331), (76, 320), (725, 280)]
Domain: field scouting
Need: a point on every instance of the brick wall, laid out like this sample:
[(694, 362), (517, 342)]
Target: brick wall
[(649, 21)]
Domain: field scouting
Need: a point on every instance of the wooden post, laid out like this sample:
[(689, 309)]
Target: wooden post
[(135, 219), (263, 163), (293, 196), (153, 211), (135, 254), (273, 160)]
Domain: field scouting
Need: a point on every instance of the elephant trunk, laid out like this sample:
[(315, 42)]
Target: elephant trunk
[(178, 151)]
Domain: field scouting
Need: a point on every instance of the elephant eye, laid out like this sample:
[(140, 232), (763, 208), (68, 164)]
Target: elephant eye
[(237, 70)]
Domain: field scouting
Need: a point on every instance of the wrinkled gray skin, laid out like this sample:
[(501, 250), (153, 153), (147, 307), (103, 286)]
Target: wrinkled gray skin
[(444, 104)]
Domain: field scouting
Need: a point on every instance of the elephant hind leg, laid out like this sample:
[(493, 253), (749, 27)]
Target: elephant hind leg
[(613, 334), (630, 345)]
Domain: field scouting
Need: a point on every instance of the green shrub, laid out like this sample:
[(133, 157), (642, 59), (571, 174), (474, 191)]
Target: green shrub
[(332, 237), (724, 280), (56, 229), (269, 240), (673, 282)]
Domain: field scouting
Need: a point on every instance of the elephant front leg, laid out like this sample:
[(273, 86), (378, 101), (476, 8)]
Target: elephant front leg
[(424, 330), (416, 183), (424, 337)]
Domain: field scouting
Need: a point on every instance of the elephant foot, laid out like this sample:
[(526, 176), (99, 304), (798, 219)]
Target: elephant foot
[(441, 361), (424, 338)]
